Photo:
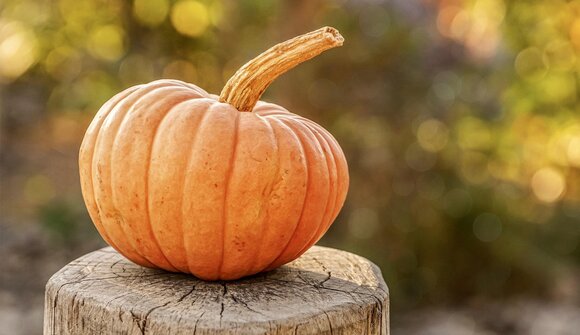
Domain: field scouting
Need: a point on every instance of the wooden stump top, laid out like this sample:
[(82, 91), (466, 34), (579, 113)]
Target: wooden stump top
[(326, 291)]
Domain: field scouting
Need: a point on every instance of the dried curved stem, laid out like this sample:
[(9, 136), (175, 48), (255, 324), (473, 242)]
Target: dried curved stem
[(246, 86)]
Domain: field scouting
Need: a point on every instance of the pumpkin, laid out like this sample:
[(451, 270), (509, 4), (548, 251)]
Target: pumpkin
[(221, 187)]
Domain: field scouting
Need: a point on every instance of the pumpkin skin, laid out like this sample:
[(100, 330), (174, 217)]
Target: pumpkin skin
[(174, 179)]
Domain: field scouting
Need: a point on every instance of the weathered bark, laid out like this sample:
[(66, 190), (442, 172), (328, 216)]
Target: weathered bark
[(325, 291)]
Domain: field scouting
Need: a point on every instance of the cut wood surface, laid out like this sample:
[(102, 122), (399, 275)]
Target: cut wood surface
[(326, 291)]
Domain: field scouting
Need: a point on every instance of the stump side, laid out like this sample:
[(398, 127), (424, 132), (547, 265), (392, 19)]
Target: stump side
[(326, 291)]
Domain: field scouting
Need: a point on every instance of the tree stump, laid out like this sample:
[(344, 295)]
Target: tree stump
[(326, 291)]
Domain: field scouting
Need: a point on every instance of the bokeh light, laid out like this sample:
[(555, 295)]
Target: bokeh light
[(433, 135), (151, 12), (190, 17), (107, 42), (573, 151), (18, 49), (548, 184)]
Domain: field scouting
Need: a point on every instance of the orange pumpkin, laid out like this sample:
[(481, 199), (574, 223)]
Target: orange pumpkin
[(219, 187)]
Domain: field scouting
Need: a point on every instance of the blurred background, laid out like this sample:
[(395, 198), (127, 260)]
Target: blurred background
[(460, 121)]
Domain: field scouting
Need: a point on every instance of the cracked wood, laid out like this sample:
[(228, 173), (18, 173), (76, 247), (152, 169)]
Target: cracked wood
[(326, 291)]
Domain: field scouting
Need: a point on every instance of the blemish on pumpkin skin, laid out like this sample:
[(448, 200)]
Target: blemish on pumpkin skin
[(99, 174), (240, 245)]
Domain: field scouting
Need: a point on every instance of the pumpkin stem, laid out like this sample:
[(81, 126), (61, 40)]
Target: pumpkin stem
[(245, 87)]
